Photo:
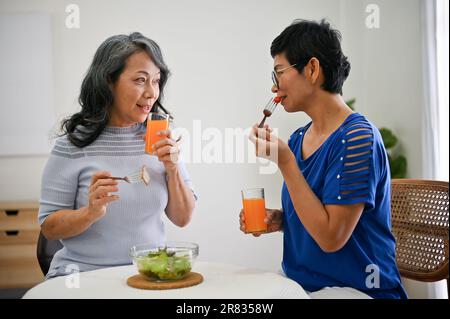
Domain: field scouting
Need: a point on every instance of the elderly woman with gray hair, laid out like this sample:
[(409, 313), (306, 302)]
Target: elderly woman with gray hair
[(96, 218)]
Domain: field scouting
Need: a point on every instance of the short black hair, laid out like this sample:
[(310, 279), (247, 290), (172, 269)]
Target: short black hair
[(304, 39)]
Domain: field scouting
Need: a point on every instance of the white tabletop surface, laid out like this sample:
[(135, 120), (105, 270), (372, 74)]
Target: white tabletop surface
[(221, 281)]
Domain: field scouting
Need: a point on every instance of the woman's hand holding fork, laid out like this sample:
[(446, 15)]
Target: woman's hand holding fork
[(99, 195), (269, 146)]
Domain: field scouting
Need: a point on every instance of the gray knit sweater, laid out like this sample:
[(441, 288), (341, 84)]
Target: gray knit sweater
[(136, 218)]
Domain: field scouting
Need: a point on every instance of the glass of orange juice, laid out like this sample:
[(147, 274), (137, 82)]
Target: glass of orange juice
[(254, 210), (155, 122)]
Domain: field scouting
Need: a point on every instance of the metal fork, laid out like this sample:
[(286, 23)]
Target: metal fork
[(269, 109), (140, 175)]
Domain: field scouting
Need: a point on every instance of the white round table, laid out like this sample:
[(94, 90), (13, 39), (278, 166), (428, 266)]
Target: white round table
[(221, 281)]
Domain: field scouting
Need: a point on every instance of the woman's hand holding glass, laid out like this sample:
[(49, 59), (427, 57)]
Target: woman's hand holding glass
[(274, 221), (167, 150)]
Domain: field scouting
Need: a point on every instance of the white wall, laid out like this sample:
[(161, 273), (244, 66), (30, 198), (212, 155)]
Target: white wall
[(386, 76), (218, 52)]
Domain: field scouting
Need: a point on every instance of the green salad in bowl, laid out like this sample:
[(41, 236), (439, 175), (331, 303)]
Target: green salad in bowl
[(171, 261)]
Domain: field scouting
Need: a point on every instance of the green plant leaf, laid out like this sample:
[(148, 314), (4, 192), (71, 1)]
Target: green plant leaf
[(351, 103), (398, 166), (389, 139)]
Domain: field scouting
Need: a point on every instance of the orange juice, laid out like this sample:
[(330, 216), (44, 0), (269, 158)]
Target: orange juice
[(153, 127), (254, 214)]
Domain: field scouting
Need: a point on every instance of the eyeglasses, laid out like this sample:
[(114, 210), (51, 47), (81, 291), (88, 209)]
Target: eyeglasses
[(276, 74)]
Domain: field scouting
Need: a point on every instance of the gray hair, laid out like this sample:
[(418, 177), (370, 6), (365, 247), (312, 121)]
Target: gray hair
[(96, 96)]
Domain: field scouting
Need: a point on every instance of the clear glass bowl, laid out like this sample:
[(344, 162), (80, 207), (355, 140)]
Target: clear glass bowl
[(170, 261)]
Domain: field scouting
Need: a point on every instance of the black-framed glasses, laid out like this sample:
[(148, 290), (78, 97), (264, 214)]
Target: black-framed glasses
[(276, 74)]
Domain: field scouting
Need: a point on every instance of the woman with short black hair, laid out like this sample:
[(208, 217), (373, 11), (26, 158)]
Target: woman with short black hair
[(336, 194)]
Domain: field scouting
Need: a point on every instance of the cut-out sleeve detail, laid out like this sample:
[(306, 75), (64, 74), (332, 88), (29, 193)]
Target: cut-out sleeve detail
[(350, 175)]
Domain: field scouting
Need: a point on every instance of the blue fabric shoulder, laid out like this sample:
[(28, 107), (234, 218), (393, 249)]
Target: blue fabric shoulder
[(354, 161)]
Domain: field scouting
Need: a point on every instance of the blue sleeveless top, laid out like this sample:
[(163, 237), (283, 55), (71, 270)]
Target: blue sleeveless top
[(350, 167)]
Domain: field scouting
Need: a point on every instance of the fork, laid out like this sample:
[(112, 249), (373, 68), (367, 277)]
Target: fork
[(269, 109), (140, 175)]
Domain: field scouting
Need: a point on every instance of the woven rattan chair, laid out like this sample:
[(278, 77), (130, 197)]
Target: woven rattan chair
[(420, 224)]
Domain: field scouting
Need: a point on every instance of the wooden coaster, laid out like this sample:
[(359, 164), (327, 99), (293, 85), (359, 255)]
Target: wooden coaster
[(141, 282)]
